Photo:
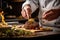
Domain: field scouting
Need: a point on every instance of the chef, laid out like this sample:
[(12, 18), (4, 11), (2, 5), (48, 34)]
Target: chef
[(49, 11)]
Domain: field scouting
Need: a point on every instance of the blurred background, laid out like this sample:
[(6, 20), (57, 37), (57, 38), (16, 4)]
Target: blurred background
[(12, 8)]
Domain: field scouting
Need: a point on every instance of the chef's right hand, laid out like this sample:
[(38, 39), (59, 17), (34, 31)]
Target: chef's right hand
[(26, 11)]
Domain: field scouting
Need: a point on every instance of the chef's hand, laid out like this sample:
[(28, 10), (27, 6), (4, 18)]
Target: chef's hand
[(26, 11), (51, 14)]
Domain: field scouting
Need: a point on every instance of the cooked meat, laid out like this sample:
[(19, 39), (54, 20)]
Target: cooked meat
[(31, 25)]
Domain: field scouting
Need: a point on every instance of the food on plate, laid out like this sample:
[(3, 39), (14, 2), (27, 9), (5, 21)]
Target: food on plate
[(46, 29), (31, 20), (16, 31), (31, 24), (24, 32), (41, 28)]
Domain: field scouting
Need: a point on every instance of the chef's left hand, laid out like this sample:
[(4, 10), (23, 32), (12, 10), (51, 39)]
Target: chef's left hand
[(51, 14)]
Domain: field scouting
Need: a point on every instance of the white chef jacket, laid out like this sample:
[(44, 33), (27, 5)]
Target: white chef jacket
[(44, 5)]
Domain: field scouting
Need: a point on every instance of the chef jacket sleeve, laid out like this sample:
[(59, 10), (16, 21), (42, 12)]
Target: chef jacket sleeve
[(32, 3), (54, 4)]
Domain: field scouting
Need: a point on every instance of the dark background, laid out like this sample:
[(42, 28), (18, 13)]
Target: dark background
[(16, 8)]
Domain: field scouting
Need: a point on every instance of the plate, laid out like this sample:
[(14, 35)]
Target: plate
[(37, 33)]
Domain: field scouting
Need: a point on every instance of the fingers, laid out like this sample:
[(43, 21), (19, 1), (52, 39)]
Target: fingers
[(49, 15), (46, 12), (23, 13), (26, 12)]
